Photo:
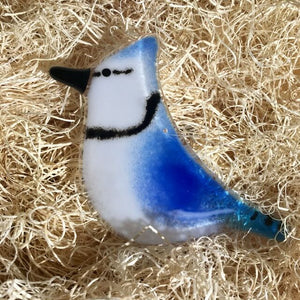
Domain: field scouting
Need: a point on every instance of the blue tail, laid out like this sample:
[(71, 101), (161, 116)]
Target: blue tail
[(248, 218)]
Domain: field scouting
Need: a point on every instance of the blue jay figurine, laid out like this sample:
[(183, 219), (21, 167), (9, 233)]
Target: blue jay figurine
[(137, 171)]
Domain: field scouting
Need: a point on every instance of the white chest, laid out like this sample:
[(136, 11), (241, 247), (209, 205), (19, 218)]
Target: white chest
[(108, 177)]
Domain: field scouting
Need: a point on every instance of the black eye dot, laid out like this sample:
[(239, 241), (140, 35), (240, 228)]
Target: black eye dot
[(97, 74), (106, 72)]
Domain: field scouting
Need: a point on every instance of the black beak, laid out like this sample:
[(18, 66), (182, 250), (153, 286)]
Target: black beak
[(76, 78)]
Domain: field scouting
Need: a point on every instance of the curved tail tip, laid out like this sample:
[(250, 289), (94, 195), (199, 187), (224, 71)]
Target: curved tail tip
[(267, 226), (255, 221), (271, 228)]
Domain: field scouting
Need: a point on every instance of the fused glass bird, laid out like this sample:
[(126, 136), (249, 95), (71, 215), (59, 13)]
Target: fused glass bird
[(136, 168)]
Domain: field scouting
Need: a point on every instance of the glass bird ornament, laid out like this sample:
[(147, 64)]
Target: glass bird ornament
[(137, 171)]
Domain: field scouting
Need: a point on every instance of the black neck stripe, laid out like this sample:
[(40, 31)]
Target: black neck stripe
[(105, 134)]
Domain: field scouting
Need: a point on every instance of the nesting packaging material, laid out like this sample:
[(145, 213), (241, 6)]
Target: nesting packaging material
[(229, 73)]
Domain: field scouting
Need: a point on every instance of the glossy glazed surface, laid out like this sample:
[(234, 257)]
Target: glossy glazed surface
[(137, 170)]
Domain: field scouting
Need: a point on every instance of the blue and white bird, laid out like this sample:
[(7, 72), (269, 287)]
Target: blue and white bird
[(137, 170)]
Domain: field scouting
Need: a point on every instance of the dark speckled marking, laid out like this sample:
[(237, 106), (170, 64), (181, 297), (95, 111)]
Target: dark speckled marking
[(254, 216), (268, 221)]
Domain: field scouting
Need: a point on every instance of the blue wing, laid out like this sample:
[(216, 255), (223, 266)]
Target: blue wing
[(171, 183)]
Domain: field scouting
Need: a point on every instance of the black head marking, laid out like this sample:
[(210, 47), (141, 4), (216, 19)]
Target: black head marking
[(97, 74), (126, 72), (117, 72), (107, 72)]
